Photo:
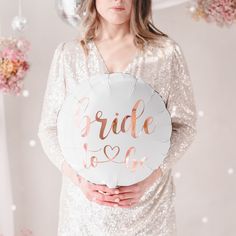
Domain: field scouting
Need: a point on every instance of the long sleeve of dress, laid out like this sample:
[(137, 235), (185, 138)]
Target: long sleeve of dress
[(53, 98), (182, 107)]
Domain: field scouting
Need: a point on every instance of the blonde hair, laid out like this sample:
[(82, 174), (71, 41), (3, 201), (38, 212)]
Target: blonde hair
[(141, 25)]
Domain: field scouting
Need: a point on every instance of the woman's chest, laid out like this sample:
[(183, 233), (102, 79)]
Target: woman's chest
[(151, 67)]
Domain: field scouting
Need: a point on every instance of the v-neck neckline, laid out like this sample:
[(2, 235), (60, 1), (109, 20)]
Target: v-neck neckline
[(137, 54)]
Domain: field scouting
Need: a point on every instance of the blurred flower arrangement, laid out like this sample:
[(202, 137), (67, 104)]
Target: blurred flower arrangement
[(26, 232), (13, 64), (222, 12)]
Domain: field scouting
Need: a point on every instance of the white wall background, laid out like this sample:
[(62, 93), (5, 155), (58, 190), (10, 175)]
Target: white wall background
[(206, 191)]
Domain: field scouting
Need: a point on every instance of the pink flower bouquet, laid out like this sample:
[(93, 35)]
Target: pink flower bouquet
[(222, 12), (13, 64)]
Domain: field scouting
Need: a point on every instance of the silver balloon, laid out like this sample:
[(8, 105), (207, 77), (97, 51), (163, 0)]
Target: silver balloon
[(19, 23), (69, 11)]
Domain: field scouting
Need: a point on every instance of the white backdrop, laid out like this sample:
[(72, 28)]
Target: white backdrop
[(205, 177), (6, 213)]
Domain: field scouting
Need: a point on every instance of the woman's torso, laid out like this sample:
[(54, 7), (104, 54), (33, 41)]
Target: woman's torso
[(156, 206)]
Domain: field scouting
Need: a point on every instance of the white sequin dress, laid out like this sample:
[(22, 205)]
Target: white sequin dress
[(163, 67)]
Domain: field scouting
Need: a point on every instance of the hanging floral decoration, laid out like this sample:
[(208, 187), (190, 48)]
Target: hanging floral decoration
[(222, 12), (26, 232), (13, 64)]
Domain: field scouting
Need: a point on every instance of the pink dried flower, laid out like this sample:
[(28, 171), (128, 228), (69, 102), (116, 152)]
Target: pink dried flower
[(223, 12), (13, 65), (26, 232)]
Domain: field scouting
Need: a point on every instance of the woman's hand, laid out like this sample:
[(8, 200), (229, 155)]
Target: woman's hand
[(94, 192), (130, 195), (122, 196)]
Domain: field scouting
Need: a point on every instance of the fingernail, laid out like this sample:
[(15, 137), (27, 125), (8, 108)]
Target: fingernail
[(117, 200), (116, 191)]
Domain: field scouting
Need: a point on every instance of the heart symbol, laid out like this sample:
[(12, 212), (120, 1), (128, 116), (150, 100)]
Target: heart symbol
[(112, 149)]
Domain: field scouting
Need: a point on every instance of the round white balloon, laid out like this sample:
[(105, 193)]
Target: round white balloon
[(114, 129)]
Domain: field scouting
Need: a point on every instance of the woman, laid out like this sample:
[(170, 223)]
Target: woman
[(119, 40)]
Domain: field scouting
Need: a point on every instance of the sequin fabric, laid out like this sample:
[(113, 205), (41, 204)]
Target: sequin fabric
[(164, 67)]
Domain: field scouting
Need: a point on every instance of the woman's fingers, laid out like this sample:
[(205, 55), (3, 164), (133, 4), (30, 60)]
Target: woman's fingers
[(123, 203), (124, 196), (132, 188), (112, 204), (116, 198), (103, 188), (102, 197), (131, 204), (119, 197), (127, 201)]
